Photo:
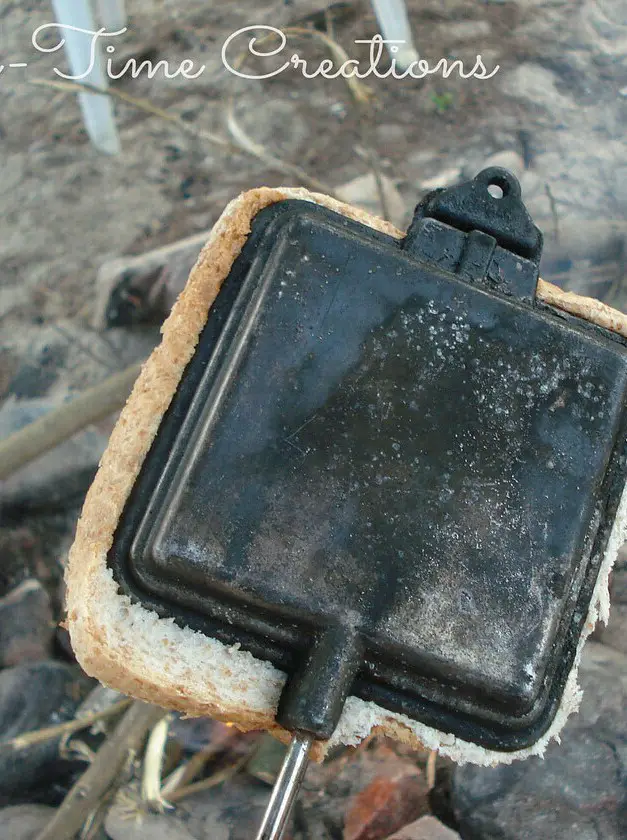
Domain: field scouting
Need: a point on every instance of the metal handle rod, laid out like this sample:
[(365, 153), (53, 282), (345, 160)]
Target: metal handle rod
[(286, 787)]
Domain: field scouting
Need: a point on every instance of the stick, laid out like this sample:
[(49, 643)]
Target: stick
[(67, 728), (363, 97), (142, 105), (153, 765), (58, 425), (360, 92), (85, 795), (254, 149), (431, 766), (241, 147), (205, 784), (185, 773)]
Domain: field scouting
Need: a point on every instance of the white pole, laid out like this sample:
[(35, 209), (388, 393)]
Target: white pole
[(392, 17), (112, 14), (97, 110)]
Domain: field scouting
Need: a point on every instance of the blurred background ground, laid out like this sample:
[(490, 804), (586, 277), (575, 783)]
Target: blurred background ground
[(555, 114)]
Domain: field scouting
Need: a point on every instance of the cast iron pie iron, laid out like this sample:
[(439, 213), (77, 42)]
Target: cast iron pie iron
[(380, 466)]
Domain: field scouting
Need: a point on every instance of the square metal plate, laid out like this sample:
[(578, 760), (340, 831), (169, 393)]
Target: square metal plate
[(368, 441)]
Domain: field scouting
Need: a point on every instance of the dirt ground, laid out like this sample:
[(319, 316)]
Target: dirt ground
[(558, 101)]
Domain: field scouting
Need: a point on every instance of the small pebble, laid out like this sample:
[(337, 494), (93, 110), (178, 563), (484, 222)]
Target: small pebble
[(119, 825), (388, 803), (232, 811), (426, 828), (34, 696), (24, 822), (578, 789), (26, 624)]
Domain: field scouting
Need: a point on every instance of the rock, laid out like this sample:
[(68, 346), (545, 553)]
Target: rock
[(31, 697), (445, 178), (465, 30), (328, 787), (530, 184), (232, 811), (390, 133), (599, 241), (61, 477), (119, 825), (21, 553), (537, 86), (578, 790), (282, 128), (37, 375), (387, 804), (24, 822), (509, 159), (426, 828), (142, 290), (64, 358), (128, 290), (26, 624), (266, 761), (362, 192), (98, 699), (195, 734), (603, 27)]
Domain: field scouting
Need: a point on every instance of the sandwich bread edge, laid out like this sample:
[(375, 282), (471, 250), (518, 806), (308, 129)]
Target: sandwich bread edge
[(128, 647)]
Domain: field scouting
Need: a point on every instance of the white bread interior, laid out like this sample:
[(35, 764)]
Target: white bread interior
[(130, 648)]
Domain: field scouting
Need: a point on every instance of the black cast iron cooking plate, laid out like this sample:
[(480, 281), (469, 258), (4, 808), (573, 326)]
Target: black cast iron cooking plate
[(390, 471)]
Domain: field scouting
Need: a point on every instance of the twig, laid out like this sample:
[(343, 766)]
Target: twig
[(205, 784), (370, 156), (328, 23), (362, 97), (95, 782), (142, 105), (185, 773), (69, 749), (621, 272), (361, 93), (153, 764), (256, 150), (93, 827), (431, 762), (58, 425), (553, 206), (21, 742)]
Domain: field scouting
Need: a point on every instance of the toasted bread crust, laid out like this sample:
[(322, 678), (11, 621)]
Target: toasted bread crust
[(130, 648)]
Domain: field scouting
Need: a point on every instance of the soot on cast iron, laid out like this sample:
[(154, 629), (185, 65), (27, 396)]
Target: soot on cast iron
[(389, 469)]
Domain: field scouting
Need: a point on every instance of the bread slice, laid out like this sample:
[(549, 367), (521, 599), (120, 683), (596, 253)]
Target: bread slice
[(130, 648)]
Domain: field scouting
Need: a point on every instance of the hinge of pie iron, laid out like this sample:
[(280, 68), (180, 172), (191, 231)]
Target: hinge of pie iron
[(482, 231)]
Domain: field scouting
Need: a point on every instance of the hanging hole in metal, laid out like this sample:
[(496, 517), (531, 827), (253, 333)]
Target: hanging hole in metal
[(496, 190), (286, 787), (496, 176)]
